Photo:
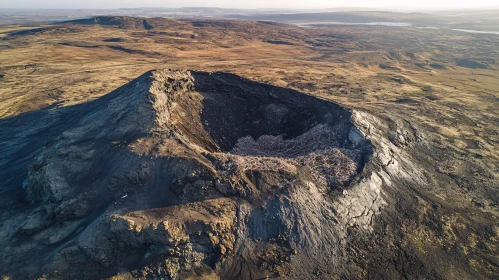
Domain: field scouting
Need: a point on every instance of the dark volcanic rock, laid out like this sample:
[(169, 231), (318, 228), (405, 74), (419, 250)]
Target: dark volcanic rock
[(182, 174)]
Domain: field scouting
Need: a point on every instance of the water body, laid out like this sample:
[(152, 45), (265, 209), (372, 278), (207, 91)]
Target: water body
[(395, 24), (476, 31)]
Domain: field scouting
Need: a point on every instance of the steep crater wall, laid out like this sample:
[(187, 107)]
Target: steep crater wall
[(265, 127)]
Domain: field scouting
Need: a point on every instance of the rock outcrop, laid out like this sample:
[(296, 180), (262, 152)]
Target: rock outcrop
[(181, 174)]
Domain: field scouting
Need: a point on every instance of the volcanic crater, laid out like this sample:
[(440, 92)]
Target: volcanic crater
[(203, 170), (266, 127)]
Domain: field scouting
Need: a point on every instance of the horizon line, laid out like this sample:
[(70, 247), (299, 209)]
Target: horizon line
[(276, 9)]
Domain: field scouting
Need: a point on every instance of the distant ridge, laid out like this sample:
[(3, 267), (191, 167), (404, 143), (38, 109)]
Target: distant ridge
[(126, 22)]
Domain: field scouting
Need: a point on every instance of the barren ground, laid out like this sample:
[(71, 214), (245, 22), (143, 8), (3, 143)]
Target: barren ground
[(444, 85)]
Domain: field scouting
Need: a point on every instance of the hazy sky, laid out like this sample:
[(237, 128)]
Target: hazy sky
[(82, 4)]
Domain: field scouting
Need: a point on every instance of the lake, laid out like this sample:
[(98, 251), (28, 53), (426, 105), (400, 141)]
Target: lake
[(476, 31)]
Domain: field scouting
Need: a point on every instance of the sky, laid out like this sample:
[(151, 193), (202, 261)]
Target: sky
[(244, 4)]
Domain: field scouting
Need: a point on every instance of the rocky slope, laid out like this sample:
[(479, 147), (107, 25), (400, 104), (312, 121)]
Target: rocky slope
[(184, 174)]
